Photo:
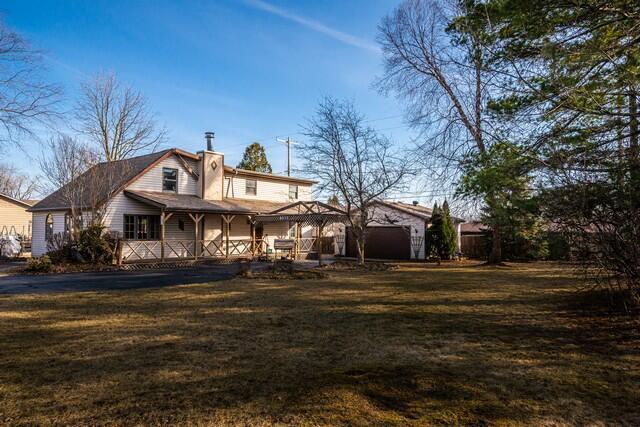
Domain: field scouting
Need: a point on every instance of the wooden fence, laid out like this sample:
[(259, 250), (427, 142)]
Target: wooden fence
[(474, 246)]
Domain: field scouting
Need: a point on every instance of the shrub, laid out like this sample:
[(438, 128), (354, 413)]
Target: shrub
[(60, 248), (95, 245), (39, 264)]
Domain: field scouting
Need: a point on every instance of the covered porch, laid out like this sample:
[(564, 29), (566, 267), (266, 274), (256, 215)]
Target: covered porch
[(189, 228)]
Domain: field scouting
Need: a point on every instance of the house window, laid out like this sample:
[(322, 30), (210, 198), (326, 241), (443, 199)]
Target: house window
[(181, 224), (67, 224), (293, 192), (169, 179), (48, 227), (251, 187), (129, 227), (141, 227), (292, 230)]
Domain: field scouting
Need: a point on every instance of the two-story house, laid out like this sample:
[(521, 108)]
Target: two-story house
[(175, 204)]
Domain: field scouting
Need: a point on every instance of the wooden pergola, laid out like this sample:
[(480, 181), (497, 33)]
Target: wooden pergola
[(312, 213)]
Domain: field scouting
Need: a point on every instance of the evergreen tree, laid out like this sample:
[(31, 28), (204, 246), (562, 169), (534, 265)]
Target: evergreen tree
[(450, 240), (255, 159), (333, 201), (506, 173), (434, 234)]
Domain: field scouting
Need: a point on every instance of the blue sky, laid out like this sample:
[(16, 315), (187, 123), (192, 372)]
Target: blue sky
[(246, 69)]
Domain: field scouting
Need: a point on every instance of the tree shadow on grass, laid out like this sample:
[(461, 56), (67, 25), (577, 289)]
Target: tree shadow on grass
[(352, 349)]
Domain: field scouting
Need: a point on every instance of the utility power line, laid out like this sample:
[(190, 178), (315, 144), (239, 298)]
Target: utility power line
[(288, 141)]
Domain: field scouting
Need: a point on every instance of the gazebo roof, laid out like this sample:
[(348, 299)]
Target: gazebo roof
[(311, 213)]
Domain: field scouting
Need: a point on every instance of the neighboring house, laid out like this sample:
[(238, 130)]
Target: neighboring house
[(14, 217), (175, 204), (397, 232)]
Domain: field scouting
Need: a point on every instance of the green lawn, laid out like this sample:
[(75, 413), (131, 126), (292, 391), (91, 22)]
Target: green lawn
[(419, 345)]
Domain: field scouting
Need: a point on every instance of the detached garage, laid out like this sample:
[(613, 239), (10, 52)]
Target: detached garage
[(397, 232), (383, 242)]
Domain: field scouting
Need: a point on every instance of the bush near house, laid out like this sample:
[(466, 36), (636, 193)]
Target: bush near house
[(41, 264), (92, 245)]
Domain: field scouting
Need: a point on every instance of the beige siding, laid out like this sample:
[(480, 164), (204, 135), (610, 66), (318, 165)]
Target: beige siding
[(152, 179), (267, 189), (14, 218), (172, 228), (212, 227), (39, 244), (121, 205)]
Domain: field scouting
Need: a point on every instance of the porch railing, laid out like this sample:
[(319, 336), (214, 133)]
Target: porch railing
[(156, 250), (306, 244)]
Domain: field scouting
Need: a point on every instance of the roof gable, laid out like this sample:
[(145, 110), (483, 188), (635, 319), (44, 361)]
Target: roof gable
[(119, 174)]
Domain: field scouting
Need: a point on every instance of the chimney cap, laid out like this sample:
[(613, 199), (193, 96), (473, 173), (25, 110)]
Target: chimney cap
[(416, 203), (209, 137)]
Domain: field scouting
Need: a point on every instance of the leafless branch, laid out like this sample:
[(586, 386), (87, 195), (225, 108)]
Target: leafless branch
[(352, 161), (26, 100), (116, 119)]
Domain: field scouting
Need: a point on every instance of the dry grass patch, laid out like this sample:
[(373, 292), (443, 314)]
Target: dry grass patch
[(418, 345)]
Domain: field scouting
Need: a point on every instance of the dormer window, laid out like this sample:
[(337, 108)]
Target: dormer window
[(293, 192), (251, 187), (169, 179)]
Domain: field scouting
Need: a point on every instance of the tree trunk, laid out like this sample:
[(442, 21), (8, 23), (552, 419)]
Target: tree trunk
[(634, 144), (360, 246), (495, 257)]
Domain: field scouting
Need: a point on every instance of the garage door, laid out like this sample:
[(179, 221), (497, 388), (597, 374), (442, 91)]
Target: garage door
[(391, 242)]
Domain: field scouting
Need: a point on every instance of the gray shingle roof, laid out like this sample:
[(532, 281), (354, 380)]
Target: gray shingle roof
[(115, 175), (189, 203)]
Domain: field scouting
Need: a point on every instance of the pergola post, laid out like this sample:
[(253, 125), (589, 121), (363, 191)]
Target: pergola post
[(164, 217), (320, 228), (196, 220), (316, 214), (253, 235), (298, 238)]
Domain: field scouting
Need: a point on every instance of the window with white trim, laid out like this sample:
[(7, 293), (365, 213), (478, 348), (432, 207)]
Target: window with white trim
[(293, 192), (170, 179), (141, 227), (251, 187)]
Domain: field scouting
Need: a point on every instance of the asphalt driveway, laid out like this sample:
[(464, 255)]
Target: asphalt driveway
[(114, 280)]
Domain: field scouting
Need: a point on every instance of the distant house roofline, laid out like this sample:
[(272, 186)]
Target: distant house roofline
[(23, 203)]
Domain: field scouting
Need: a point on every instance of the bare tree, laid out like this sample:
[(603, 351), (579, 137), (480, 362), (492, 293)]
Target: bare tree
[(442, 75), (352, 161), (15, 184), (26, 101), (63, 163), (117, 119)]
